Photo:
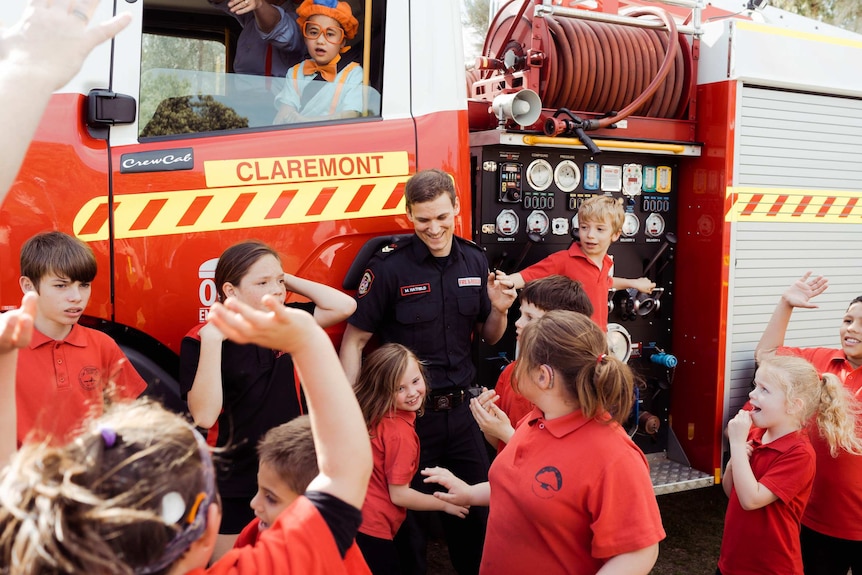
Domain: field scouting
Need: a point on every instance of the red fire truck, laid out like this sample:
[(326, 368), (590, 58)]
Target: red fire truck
[(729, 130)]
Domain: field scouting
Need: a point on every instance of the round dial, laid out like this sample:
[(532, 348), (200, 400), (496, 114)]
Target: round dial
[(567, 176), (538, 222), (540, 175), (507, 223), (654, 225), (631, 225), (619, 342)]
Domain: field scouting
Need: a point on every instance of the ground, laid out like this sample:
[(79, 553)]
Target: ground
[(693, 521)]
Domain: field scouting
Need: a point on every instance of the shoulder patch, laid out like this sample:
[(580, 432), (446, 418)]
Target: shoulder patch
[(365, 283)]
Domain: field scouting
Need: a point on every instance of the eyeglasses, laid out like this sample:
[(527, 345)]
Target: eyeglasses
[(312, 31)]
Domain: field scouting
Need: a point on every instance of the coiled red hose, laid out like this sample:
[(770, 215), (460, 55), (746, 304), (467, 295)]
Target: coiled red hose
[(600, 68)]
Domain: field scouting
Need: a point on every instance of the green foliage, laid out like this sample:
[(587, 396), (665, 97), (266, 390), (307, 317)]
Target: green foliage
[(160, 52), (845, 14), (191, 115), (476, 19)]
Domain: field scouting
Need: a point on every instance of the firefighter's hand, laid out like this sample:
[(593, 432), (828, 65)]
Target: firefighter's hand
[(501, 291), (492, 420), (738, 428), (54, 37), (804, 289), (16, 326)]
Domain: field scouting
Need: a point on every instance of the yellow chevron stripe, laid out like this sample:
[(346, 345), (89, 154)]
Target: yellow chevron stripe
[(264, 198), (740, 200)]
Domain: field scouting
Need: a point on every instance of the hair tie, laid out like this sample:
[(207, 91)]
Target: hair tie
[(601, 358), (109, 436)]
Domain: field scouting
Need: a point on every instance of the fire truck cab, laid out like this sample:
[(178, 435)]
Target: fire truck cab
[(728, 130)]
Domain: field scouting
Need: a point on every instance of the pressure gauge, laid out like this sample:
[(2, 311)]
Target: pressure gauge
[(567, 176), (632, 179), (631, 225), (538, 223), (540, 175), (619, 342), (507, 223), (654, 225)]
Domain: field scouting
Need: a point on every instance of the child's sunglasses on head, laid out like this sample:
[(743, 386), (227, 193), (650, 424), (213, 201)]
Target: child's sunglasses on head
[(312, 31)]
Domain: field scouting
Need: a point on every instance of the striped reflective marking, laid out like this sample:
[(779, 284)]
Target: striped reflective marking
[(187, 211), (790, 205)]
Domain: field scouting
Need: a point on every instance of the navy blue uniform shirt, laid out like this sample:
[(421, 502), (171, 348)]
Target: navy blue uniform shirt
[(430, 305)]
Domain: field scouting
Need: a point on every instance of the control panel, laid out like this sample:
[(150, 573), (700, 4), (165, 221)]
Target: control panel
[(526, 208)]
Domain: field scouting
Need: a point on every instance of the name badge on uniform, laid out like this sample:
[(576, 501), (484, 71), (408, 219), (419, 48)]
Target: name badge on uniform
[(415, 289), (469, 282)]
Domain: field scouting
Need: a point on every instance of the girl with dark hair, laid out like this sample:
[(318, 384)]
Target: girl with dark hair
[(239, 392)]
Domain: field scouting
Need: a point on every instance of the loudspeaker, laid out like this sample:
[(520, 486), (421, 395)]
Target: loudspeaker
[(523, 107)]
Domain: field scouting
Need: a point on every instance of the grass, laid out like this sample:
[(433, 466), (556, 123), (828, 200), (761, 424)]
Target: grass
[(693, 521)]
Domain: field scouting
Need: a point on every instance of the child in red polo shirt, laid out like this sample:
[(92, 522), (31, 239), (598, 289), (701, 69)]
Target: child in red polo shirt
[(600, 222), (498, 410), (67, 370), (287, 464), (135, 491), (831, 530), (571, 492), (771, 469), (391, 391)]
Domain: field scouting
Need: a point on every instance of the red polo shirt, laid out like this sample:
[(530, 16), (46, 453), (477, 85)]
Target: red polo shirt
[(395, 447), (299, 542), (766, 540), (568, 492), (60, 382), (574, 263), (835, 507)]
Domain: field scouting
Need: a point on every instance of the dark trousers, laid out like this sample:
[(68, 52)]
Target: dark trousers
[(825, 555), (449, 439), (379, 554)]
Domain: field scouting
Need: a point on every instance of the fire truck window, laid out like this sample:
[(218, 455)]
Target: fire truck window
[(188, 84)]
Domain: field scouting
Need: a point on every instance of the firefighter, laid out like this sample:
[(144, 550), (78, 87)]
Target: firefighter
[(432, 292)]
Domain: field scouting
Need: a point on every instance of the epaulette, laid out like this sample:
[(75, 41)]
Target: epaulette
[(393, 246), (470, 243)]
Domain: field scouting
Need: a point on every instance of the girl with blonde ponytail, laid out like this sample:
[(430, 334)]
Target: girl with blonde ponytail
[(771, 470)]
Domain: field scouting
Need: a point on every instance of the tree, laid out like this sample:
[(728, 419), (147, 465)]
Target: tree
[(845, 14), (475, 19)]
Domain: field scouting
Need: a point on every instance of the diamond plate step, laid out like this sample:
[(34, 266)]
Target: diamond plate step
[(671, 477)]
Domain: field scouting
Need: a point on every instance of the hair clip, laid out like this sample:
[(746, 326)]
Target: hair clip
[(109, 436), (601, 358), (173, 507)]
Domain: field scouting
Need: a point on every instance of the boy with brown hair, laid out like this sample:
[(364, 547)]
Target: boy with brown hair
[(67, 370), (600, 223), (287, 463), (498, 411)]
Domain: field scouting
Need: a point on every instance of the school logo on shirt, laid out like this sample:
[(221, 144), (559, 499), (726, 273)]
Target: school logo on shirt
[(547, 482), (469, 282), (89, 378), (415, 289), (365, 283)]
